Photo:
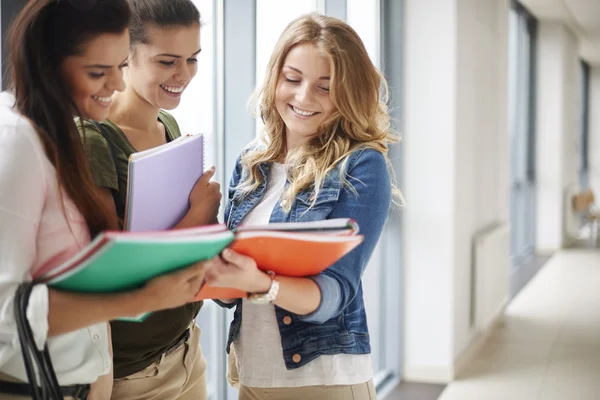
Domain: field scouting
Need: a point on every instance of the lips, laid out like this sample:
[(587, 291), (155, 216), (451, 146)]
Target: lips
[(105, 101), (173, 89), (301, 112)]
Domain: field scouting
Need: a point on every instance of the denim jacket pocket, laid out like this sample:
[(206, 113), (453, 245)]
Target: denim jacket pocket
[(332, 328), (306, 210)]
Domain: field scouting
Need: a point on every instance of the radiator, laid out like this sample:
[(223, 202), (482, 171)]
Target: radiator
[(490, 289)]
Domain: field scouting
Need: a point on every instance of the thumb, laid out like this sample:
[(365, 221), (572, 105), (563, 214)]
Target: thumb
[(207, 176), (232, 257)]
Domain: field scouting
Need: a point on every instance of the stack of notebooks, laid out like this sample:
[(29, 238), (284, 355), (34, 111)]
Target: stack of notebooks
[(120, 261), (159, 183)]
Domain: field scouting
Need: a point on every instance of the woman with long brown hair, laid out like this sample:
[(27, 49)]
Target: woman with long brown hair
[(66, 60)]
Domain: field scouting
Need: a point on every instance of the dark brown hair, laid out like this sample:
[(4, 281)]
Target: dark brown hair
[(42, 35), (162, 14)]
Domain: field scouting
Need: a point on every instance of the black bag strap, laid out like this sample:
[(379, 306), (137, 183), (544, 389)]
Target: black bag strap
[(34, 359)]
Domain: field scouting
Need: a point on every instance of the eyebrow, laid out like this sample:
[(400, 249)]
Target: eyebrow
[(102, 66), (300, 72), (175, 55)]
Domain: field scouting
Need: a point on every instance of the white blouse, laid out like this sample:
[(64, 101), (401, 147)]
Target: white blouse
[(35, 234), (259, 351)]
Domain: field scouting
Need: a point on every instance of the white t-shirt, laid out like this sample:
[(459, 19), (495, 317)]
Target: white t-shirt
[(35, 235), (259, 351)]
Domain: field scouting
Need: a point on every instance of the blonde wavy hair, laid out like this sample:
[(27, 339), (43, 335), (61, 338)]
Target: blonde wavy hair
[(359, 93)]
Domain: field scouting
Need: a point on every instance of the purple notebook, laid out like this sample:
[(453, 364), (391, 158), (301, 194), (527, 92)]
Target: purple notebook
[(160, 181)]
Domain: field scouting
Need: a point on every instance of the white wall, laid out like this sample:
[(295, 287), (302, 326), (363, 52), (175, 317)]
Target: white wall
[(594, 143), (558, 116), (429, 184), (456, 168), (482, 189)]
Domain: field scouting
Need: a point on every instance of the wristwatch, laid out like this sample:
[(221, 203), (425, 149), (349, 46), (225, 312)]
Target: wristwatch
[(269, 296)]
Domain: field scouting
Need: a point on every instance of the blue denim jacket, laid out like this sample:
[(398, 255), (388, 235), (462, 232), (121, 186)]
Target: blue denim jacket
[(339, 324)]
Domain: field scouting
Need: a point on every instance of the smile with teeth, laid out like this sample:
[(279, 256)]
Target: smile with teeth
[(302, 112), (173, 89), (105, 100)]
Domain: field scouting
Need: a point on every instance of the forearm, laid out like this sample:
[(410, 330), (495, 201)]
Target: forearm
[(188, 221), (68, 312), (193, 219), (300, 296)]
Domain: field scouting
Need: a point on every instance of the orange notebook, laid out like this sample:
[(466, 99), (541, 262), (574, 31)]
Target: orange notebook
[(291, 249)]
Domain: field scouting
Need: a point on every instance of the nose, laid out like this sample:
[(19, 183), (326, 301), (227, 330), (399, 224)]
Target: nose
[(116, 82), (304, 94), (183, 73)]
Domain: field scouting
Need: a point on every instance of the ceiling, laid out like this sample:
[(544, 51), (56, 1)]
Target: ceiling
[(583, 16)]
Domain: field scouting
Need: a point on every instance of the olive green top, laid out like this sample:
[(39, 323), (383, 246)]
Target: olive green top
[(136, 345)]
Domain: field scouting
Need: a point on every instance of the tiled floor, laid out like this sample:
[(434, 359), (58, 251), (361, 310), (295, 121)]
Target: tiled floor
[(416, 391), (548, 345)]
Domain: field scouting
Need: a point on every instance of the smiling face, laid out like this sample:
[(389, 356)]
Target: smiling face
[(302, 95), (96, 73), (161, 69)]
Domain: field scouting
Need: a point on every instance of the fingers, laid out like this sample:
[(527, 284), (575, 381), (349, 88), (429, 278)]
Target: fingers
[(216, 188), (232, 257), (196, 284), (196, 270), (207, 176)]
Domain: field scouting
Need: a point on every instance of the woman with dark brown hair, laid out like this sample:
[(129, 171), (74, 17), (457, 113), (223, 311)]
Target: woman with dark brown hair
[(66, 60), (160, 358)]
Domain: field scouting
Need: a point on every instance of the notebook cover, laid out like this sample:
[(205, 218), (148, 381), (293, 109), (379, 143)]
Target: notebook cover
[(122, 265), (159, 185), (290, 255)]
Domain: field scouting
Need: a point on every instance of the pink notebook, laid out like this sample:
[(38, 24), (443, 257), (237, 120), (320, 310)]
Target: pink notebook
[(160, 181)]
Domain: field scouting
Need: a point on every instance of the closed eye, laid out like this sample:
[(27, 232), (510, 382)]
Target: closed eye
[(168, 63)]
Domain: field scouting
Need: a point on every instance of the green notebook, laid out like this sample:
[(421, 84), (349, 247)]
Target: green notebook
[(121, 261)]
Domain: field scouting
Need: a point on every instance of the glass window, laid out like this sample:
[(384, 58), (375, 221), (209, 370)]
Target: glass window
[(522, 119), (585, 124), (363, 16), (195, 113), (272, 16)]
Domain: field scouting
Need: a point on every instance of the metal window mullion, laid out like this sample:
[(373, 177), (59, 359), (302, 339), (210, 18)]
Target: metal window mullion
[(391, 60)]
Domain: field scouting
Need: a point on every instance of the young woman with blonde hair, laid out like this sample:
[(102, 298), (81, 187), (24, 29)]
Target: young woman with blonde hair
[(322, 155)]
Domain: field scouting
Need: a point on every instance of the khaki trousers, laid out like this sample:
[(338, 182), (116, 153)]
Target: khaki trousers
[(179, 376), (362, 391)]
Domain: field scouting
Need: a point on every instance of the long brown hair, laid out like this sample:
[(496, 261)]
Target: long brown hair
[(42, 35), (161, 14)]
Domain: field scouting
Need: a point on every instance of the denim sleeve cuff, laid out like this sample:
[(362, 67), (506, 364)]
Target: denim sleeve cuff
[(331, 295)]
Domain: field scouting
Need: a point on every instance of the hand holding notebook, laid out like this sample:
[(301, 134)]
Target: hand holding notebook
[(160, 181), (120, 261)]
